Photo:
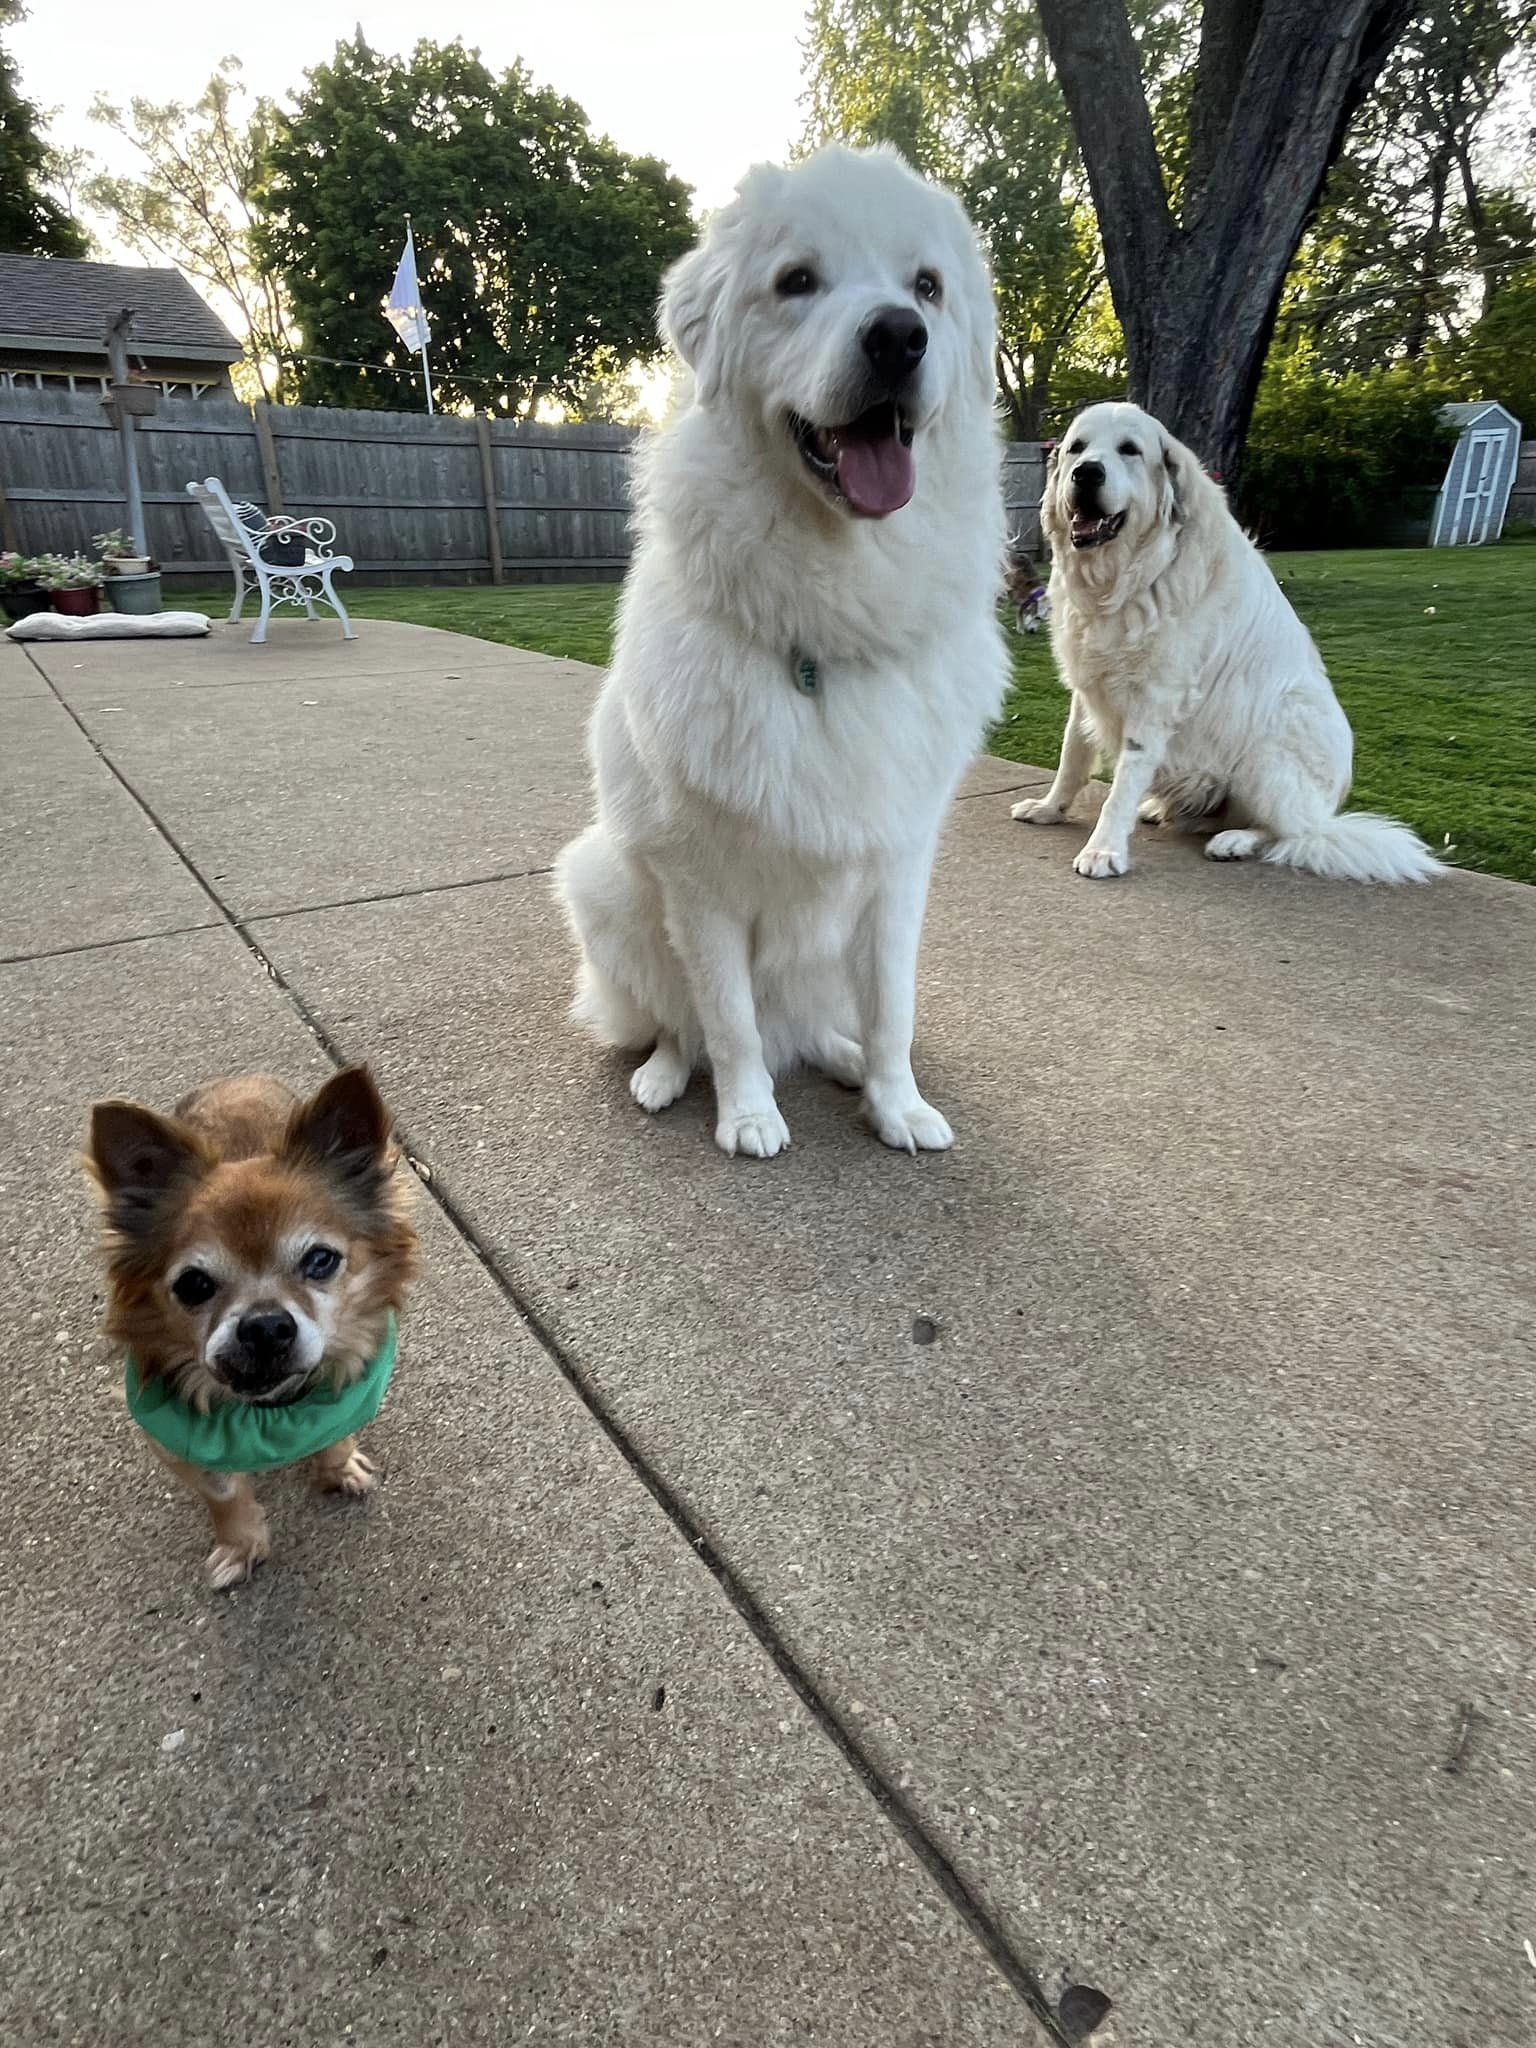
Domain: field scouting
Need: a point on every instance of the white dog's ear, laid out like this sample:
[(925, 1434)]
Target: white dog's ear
[(1173, 484), (1053, 514), (1187, 497), (691, 296)]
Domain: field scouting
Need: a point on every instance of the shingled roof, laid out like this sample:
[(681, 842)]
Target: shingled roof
[(53, 299)]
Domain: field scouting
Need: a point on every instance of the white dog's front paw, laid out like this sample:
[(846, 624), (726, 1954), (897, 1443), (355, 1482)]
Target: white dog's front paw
[(902, 1120), (755, 1133), (1098, 861), (657, 1084), (1038, 810)]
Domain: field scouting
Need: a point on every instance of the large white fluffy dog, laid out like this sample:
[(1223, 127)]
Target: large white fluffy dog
[(1188, 667), (807, 654)]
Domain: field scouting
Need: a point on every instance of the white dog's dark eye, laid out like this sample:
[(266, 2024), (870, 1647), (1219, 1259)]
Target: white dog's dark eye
[(193, 1287), (319, 1262), (1076, 448), (928, 286), (1129, 448), (797, 283)]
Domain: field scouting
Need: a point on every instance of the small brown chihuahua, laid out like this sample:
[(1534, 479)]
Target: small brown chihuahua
[(258, 1248)]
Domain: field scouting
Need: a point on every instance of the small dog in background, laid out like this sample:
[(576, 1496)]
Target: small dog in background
[(258, 1249), (1025, 589)]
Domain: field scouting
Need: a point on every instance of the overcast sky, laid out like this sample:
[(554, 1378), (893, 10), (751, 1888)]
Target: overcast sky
[(709, 85)]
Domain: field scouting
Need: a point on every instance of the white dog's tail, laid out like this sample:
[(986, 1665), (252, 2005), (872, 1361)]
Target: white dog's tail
[(1357, 846)]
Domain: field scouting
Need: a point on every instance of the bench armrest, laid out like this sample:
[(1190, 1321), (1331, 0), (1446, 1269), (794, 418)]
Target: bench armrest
[(320, 533)]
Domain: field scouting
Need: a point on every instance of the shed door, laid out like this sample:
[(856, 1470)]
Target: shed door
[(1475, 512)]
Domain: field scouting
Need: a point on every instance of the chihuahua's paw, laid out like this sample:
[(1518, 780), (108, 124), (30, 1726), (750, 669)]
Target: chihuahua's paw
[(231, 1564), (354, 1475)]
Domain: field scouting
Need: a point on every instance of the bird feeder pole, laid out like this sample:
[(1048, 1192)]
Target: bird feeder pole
[(117, 354)]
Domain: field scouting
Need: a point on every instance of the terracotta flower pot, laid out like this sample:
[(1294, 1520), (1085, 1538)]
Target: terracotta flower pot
[(79, 604)]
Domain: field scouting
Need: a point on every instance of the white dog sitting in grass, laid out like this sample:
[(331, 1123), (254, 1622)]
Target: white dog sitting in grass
[(1190, 670)]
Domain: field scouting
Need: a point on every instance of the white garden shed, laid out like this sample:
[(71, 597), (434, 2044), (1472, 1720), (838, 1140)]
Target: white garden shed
[(1475, 495)]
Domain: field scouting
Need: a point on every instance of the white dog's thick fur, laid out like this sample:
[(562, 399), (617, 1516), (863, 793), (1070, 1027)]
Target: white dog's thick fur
[(1188, 667), (796, 689)]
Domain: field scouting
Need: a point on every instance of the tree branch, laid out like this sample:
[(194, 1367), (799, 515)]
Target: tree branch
[(1226, 38), (1094, 53)]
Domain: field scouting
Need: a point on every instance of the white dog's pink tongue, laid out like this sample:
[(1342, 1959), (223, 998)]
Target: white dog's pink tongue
[(875, 472)]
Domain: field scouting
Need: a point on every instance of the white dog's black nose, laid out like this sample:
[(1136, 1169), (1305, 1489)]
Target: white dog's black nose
[(1088, 475), (895, 341), (266, 1335)]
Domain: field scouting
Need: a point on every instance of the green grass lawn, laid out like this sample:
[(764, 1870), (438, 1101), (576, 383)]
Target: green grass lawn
[(1443, 703)]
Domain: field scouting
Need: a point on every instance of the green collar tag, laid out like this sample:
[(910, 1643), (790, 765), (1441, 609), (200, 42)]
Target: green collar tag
[(237, 1437), (805, 672)]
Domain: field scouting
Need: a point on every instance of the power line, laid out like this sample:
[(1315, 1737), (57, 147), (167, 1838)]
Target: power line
[(1404, 291), (290, 355), (1294, 311)]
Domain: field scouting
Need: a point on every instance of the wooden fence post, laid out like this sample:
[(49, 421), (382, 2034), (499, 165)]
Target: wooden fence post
[(10, 538), (488, 488), (266, 443)]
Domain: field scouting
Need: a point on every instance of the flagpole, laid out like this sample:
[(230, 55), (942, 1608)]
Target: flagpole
[(426, 373)]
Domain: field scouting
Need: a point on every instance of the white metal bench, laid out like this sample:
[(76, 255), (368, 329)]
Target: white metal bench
[(242, 528)]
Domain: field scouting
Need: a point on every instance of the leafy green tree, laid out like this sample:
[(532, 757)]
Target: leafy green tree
[(540, 246), (965, 89), (194, 207), (1418, 231), (31, 221), (966, 93), (1199, 238), (1497, 359)]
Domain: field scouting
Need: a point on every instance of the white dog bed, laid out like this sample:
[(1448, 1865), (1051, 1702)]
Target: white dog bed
[(110, 626)]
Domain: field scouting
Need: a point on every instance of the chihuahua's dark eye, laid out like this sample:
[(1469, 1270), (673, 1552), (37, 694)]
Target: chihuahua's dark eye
[(798, 283), (928, 286), (319, 1262), (1076, 447), (1129, 448), (193, 1287)]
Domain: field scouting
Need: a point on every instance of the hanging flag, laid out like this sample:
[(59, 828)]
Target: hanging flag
[(403, 309)]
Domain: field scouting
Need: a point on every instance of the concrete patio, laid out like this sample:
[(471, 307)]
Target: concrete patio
[(852, 1600)]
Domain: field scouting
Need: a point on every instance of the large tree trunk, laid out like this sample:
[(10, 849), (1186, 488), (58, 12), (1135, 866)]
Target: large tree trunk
[(1276, 86)]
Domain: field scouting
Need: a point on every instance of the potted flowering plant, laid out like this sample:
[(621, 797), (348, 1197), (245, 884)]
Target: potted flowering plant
[(21, 593), (119, 555), (75, 583)]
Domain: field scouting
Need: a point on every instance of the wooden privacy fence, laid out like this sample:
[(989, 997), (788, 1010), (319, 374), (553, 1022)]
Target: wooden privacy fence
[(413, 497), (1023, 483)]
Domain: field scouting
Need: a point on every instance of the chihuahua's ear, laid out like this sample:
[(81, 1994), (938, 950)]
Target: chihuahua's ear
[(140, 1161), (344, 1130)]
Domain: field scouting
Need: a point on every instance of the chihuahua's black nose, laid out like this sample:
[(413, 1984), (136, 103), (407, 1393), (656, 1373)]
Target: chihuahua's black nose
[(895, 340), (266, 1334), (1088, 476)]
